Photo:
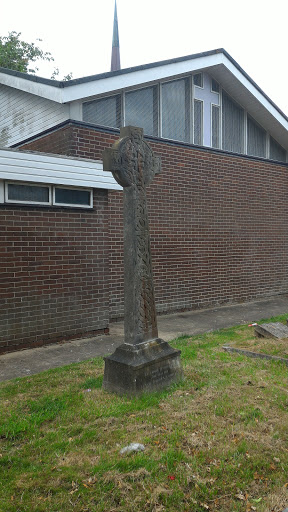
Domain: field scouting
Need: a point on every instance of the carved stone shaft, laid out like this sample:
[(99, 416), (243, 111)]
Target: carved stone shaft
[(133, 165)]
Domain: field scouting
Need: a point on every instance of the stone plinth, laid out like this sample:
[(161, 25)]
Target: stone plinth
[(149, 366)]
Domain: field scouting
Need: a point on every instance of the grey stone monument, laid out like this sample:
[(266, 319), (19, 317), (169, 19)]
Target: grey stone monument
[(143, 362), (273, 330)]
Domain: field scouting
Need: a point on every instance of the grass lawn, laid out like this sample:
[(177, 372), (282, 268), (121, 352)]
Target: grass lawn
[(218, 441)]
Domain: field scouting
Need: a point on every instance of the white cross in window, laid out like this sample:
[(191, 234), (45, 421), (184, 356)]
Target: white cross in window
[(208, 97)]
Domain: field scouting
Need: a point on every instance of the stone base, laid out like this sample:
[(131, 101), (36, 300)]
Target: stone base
[(148, 366)]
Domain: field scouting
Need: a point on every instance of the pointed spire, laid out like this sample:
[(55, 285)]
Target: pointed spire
[(115, 57)]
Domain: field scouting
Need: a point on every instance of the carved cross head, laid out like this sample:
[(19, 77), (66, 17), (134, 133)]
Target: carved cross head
[(131, 160)]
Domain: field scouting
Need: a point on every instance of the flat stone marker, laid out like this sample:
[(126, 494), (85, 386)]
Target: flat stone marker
[(273, 330), (144, 362)]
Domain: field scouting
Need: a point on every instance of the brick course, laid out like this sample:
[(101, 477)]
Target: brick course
[(219, 223)]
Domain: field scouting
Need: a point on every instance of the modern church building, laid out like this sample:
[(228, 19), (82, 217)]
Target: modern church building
[(218, 210)]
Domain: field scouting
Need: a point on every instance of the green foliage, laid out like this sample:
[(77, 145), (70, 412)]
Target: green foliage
[(18, 55)]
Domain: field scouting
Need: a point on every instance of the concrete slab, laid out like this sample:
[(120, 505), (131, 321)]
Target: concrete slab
[(274, 330), (36, 360)]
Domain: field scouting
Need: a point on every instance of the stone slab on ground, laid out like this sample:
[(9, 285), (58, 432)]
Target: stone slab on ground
[(272, 330), (256, 355)]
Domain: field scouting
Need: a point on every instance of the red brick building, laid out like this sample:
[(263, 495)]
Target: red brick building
[(218, 210)]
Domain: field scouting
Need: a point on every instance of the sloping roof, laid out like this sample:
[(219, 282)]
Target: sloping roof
[(217, 62), (57, 169)]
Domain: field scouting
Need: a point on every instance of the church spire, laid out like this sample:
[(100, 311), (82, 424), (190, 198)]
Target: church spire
[(115, 57)]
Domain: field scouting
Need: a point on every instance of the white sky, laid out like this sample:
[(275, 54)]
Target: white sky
[(79, 34)]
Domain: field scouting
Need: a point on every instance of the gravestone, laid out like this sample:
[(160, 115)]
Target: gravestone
[(144, 362), (272, 330)]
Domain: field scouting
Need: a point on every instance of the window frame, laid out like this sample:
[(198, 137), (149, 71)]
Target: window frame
[(72, 205), (211, 125), (202, 80), (4, 199), (202, 121), (189, 118), (156, 117), (30, 184)]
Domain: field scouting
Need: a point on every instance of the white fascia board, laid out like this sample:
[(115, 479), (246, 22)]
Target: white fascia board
[(138, 77), (43, 90), (37, 168), (256, 93)]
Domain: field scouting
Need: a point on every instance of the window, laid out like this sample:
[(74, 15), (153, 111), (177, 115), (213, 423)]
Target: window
[(176, 112), (232, 125), (198, 122), (256, 139), (27, 193), (72, 197), (49, 195), (141, 109), (276, 151), (215, 126), (104, 112), (198, 80), (215, 86)]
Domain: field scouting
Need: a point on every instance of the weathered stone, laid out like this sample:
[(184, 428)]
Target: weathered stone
[(255, 355), (143, 362), (272, 330)]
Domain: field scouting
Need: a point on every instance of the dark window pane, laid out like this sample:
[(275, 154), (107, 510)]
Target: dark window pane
[(215, 126), (256, 139), (215, 86), (28, 193), (141, 109), (198, 122), (198, 79), (176, 110), (232, 125), (276, 151), (71, 196), (105, 112)]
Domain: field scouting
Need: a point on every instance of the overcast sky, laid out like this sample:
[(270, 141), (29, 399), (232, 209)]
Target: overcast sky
[(79, 34)]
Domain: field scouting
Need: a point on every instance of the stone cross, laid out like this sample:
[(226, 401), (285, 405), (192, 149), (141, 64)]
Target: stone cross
[(134, 165), (144, 362)]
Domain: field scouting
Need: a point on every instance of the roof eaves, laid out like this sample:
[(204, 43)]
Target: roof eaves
[(142, 67), (32, 78)]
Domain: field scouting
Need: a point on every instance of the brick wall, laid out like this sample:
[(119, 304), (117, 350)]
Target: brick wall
[(53, 273), (219, 224)]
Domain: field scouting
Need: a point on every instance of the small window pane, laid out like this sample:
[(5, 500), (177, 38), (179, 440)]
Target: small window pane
[(28, 193), (104, 112), (141, 109), (276, 151), (198, 122), (232, 125), (198, 80), (256, 139), (215, 86), (215, 126), (72, 196), (176, 110)]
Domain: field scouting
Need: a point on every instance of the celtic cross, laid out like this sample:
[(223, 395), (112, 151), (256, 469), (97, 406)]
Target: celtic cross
[(133, 165)]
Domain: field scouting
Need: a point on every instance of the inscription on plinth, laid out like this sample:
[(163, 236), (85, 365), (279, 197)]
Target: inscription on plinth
[(132, 367)]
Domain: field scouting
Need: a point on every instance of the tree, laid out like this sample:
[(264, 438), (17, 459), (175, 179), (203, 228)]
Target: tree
[(19, 55)]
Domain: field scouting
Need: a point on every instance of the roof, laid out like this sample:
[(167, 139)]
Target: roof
[(216, 62), (49, 168), (61, 84)]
